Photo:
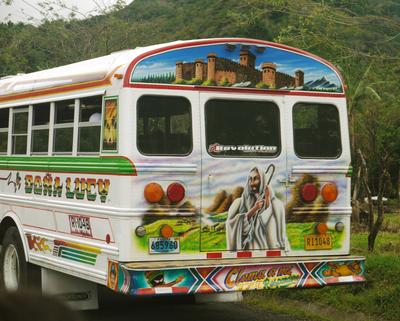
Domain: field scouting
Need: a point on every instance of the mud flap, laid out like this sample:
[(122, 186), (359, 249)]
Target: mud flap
[(78, 294)]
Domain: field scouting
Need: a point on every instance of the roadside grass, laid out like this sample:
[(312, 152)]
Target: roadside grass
[(377, 299)]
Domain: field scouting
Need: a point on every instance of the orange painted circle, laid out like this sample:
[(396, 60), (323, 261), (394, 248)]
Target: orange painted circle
[(166, 231), (329, 192), (153, 192), (322, 228)]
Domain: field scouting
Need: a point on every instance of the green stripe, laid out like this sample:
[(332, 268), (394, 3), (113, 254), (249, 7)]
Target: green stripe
[(77, 252), (349, 171), (77, 257), (99, 165), (77, 260)]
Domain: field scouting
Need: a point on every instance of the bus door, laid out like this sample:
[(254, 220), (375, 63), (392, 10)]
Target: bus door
[(318, 184), (243, 165), (168, 137)]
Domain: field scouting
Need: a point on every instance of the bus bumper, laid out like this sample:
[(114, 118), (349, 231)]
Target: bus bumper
[(190, 277)]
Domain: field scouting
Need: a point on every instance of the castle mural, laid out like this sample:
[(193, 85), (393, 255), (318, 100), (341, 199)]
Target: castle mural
[(237, 65), (220, 70)]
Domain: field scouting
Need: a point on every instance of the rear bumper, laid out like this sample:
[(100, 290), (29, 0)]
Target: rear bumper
[(213, 276)]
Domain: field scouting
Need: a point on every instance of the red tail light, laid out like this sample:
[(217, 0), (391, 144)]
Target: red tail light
[(175, 192), (309, 192)]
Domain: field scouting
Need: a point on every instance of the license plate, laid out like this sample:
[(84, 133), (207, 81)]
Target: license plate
[(318, 242), (159, 245)]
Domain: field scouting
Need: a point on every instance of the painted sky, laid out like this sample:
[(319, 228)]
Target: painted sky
[(287, 62)]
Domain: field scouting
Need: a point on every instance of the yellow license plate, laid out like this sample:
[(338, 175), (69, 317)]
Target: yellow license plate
[(318, 242)]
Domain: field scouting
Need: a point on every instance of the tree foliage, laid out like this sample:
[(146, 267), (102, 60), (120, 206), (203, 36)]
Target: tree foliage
[(362, 38)]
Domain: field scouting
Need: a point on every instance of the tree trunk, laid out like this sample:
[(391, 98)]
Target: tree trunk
[(355, 202), (367, 191), (398, 192), (378, 223)]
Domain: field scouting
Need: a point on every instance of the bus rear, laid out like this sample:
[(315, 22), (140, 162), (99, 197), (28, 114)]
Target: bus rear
[(243, 169)]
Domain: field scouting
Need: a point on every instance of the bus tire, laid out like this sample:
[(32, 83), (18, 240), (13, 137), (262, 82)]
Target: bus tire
[(15, 272)]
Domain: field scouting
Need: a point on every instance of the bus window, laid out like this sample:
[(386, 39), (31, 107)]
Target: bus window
[(89, 124), (64, 126), (242, 128), (316, 131), (20, 131), (4, 130), (40, 128), (164, 126)]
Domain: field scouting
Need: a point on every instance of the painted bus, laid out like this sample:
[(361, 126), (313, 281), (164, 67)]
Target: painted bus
[(204, 166)]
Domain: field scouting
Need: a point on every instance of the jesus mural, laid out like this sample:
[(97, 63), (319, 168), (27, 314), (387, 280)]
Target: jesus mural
[(256, 220)]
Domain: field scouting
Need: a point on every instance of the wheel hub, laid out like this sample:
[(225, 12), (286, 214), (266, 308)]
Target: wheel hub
[(11, 268)]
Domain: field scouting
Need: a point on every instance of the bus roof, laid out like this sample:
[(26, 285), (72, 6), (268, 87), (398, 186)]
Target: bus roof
[(137, 66)]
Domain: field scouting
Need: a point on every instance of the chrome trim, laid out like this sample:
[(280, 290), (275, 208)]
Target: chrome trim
[(69, 268), (166, 168), (320, 169)]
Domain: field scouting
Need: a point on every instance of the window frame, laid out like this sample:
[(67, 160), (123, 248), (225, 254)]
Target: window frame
[(20, 110), (6, 130), (340, 130), (40, 127), (89, 124), (190, 151), (72, 125), (279, 129)]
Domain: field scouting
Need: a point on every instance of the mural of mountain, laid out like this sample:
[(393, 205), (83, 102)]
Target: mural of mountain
[(321, 84)]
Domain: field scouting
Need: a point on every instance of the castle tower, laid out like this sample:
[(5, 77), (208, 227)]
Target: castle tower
[(269, 74), (211, 66), (299, 78), (199, 69), (179, 71), (247, 59)]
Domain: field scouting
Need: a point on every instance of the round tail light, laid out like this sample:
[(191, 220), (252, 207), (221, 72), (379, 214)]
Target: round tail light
[(153, 192), (322, 228), (309, 192), (166, 231), (329, 192), (175, 192)]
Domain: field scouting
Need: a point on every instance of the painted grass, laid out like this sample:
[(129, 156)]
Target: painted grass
[(377, 299), (296, 231), (213, 241), (188, 233)]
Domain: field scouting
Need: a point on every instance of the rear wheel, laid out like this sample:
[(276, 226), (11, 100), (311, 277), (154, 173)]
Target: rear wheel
[(15, 271)]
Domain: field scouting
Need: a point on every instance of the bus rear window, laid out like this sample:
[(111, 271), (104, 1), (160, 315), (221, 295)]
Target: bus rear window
[(242, 128), (316, 131), (164, 125)]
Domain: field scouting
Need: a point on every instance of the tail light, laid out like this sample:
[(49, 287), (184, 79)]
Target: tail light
[(175, 192), (309, 192), (322, 228), (329, 192), (166, 231), (153, 192)]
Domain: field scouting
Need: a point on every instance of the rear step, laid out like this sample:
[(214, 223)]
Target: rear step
[(226, 275)]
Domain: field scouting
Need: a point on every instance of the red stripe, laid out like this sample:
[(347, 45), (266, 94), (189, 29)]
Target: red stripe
[(214, 255), (180, 289), (145, 291), (244, 254), (273, 253), (237, 90)]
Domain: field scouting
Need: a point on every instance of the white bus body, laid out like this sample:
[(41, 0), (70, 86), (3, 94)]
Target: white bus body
[(200, 166)]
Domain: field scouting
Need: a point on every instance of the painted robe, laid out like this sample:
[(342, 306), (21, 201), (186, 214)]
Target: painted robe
[(264, 230)]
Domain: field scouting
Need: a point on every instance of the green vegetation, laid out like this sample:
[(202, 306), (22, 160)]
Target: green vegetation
[(377, 299)]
